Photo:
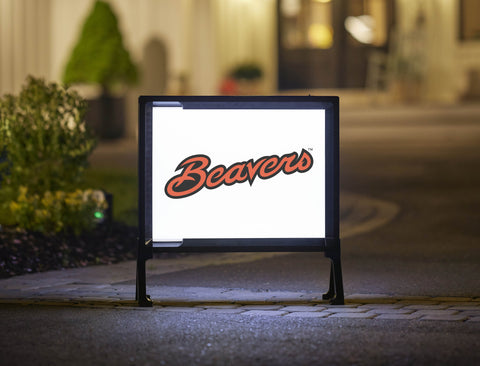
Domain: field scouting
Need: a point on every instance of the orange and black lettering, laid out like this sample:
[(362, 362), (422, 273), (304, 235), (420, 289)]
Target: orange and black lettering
[(195, 174)]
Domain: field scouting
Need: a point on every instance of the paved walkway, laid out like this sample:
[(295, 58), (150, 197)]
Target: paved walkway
[(105, 286), (112, 286), (458, 309)]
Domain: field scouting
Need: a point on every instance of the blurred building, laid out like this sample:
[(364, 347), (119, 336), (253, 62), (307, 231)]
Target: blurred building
[(422, 50)]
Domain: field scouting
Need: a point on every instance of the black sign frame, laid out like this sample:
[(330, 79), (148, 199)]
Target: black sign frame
[(330, 245)]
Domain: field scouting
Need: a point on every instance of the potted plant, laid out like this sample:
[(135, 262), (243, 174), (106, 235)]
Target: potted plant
[(100, 58), (243, 79)]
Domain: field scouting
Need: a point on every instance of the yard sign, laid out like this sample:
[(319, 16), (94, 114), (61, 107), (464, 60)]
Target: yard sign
[(238, 174)]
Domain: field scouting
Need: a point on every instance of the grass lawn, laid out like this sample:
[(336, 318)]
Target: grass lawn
[(122, 183)]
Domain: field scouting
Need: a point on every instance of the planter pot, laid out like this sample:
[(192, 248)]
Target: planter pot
[(106, 116), (248, 87), (407, 91)]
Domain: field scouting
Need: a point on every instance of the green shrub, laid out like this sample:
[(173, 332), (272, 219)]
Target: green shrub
[(44, 148), (44, 138), (57, 211), (99, 56), (247, 71)]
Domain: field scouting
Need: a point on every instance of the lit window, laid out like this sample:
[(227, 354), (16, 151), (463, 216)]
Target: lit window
[(367, 21), (306, 23)]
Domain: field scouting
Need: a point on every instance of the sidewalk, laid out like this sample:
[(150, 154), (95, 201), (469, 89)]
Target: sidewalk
[(105, 286), (358, 306)]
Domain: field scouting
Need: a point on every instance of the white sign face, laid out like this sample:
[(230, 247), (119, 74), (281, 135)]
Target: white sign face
[(237, 173)]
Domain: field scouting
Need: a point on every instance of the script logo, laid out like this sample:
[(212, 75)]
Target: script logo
[(195, 174)]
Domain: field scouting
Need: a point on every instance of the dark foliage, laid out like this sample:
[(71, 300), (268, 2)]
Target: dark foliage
[(28, 252)]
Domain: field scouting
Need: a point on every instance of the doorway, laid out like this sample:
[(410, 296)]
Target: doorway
[(327, 43)]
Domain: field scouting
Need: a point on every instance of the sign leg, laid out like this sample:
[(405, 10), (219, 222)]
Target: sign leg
[(330, 294), (141, 290), (335, 290), (336, 270)]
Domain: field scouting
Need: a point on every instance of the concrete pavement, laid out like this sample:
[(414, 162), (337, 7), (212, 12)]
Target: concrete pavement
[(243, 302), (112, 286)]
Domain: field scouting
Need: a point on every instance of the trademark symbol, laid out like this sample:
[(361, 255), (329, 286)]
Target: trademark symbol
[(310, 149)]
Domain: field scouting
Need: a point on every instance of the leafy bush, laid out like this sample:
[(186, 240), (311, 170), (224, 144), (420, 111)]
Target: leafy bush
[(44, 137), (44, 145)]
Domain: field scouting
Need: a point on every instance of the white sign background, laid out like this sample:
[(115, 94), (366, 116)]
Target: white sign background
[(284, 206)]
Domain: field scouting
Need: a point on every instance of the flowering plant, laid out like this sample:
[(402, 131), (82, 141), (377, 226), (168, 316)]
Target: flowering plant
[(57, 211)]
